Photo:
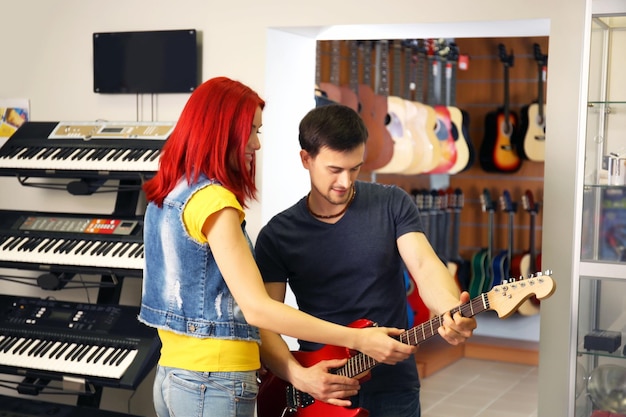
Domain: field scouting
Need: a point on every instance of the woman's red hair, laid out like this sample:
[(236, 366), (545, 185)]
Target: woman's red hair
[(210, 136)]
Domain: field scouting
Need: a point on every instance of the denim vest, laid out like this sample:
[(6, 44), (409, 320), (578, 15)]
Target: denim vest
[(183, 289)]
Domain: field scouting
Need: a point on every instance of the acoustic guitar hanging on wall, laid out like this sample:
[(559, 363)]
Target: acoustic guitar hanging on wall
[(497, 150)]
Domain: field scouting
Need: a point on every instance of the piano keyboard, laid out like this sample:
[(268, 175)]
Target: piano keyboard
[(103, 344), (80, 252), (40, 148), (66, 357), (71, 242)]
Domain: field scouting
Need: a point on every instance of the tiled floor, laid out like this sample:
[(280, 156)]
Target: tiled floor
[(479, 388)]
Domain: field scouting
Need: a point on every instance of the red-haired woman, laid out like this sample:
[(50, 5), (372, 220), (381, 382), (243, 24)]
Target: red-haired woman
[(201, 286)]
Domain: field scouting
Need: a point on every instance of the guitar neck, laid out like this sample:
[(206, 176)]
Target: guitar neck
[(382, 68), (354, 67), (510, 248), (532, 251), (506, 94), (540, 90), (361, 363), (334, 62), (456, 234)]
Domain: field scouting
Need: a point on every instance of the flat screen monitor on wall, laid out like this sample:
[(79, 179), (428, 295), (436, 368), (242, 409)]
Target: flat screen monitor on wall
[(163, 61)]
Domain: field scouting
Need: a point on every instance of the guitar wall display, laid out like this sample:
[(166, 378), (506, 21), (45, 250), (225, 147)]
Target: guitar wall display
[(419, 74), (277, 398)]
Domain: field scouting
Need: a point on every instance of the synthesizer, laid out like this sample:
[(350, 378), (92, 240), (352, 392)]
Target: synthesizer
[(27, 407), (75, 243), (116, 150), (100, 344)]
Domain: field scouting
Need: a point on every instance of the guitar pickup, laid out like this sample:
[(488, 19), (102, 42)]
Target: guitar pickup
[(298, 399)]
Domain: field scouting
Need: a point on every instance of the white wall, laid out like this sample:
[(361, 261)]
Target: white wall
[(270, 46)]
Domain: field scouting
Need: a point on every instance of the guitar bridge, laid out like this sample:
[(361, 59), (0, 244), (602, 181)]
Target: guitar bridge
[(297, 399)]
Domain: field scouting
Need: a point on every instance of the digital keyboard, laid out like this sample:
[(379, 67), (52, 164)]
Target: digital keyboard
[(104, 345), (116, 150), (77, 243), (27, 407)]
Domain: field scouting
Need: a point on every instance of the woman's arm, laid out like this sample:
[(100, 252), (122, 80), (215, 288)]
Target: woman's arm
[(234, 259)]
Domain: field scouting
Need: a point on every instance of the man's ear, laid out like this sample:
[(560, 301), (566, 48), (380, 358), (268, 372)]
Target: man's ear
[(305, 157)]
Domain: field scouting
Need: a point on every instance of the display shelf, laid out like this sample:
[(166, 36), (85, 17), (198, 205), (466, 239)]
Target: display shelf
[(602, 263)]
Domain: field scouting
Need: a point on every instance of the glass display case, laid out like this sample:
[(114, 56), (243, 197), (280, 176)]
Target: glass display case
[(601, 351)]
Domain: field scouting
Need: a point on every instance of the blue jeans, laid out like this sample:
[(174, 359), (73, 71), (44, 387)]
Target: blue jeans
[(183, 393), (390, 403)]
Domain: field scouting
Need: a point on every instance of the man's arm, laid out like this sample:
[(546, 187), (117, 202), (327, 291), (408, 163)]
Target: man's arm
[(436, 286)]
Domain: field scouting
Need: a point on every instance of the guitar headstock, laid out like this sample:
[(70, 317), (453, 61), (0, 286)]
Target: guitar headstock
[(419, 198), (453, 52), (528, 202), (506, 298), (455, 198), (486, 202), (507, 59), (506, 203), (539, 57)]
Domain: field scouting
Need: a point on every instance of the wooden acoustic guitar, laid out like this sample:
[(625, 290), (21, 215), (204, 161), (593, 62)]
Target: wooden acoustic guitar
[(331, 88), (533, 123), (350, 91), (278, 398), (482, 271), (403, 146), (379, 146), (460, 118), (497, 150), (443, 129), (502, 260), (421, 118)]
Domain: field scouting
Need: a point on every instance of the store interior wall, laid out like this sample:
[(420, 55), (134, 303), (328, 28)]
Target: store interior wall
[(270, 46)]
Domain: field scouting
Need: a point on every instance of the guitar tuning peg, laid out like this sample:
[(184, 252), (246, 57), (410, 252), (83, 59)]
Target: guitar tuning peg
[(548, 272), (538, 274)]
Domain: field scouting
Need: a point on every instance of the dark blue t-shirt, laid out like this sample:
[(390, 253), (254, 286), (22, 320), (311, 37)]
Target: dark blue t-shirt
[(349, 270)]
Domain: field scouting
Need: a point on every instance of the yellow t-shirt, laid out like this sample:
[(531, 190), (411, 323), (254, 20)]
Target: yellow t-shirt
[(207, 354)]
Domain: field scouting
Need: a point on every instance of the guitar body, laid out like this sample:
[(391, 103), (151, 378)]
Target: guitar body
[(480, 272), (534, 137), (273, 390), (331, 91), (500, 270), (403, 146), (443, 131), (415, 122), (272, 398), (497, 152), (373, 118), (349, 98), (461, 143), (421, 313)]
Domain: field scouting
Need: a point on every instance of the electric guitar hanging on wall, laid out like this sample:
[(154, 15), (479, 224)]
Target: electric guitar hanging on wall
[(482, 271), (278, 398)]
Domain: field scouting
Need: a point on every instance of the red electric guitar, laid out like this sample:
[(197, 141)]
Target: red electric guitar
[(278, 398)]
